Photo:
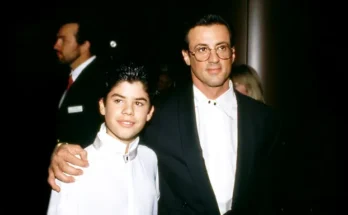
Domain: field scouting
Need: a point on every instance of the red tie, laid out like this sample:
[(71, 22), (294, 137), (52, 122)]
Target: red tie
[(70, 82)]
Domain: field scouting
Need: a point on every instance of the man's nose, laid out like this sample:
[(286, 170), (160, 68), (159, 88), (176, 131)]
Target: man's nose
[(213, 56), (56, 46)]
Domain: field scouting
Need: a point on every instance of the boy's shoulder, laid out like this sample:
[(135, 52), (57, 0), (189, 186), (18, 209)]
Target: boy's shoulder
[(146, 152)]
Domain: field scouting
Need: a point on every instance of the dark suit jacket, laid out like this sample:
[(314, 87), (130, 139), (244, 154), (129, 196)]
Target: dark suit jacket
[(81, 127), (184, 182)]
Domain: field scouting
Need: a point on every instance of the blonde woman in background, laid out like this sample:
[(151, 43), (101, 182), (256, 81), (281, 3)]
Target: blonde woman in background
[(246, 80)]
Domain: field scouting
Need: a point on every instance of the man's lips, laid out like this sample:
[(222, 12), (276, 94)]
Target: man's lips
[(213, 70)]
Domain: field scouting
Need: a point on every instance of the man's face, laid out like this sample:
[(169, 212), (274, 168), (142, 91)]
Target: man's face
[(66, 46), (126, 110), (214, 72)]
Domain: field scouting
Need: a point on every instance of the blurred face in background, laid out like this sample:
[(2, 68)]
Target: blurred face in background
[(69, 51), (241, 88), (164, 82), (66, 45)]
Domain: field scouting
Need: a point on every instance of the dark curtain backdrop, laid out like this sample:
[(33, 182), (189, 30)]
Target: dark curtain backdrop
[(303, 80)]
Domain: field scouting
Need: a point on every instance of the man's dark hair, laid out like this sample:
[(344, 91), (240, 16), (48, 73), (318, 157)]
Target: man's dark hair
[(205, 20), (129, 72), (89, 29)]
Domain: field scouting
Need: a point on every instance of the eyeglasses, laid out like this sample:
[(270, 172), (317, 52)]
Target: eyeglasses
[(202, 53)]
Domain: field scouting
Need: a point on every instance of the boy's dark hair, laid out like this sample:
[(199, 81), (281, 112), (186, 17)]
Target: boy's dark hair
[(205, 20), (129, 72)]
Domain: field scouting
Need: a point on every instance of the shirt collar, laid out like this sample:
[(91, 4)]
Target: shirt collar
[(107, 143), (76, 72), (226, 102)]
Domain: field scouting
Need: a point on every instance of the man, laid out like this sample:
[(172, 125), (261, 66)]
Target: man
[(214, 145), (78, 115), (123, 176)]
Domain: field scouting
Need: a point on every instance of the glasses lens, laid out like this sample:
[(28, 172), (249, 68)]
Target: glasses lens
[(202, 56), (225, 53)]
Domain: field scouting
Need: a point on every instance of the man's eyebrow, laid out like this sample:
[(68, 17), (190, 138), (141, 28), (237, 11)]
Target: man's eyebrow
[(200, 44), (220, 43), (223, 43), (61, 36)]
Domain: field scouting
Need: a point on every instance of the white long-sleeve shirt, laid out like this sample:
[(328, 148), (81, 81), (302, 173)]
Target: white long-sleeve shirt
[(114, 182)]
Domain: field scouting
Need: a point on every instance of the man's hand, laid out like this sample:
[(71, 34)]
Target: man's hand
[(63, 155)]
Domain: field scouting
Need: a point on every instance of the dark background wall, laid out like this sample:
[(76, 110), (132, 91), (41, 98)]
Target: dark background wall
[(295, 55)]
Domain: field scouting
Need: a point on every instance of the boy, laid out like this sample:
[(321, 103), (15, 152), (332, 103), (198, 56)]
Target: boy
[(122, 177)]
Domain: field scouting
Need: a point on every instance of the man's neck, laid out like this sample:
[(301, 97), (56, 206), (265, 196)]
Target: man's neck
[(80, 60), (212, 92)]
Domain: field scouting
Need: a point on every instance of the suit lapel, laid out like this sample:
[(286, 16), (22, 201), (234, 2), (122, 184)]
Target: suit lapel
[(246, 148), (192, 150), (74, 93), (85, 74)]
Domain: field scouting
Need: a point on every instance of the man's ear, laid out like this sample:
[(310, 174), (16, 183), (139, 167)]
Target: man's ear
[(85, 47), (101, 106), (233, 58), (186, 57), (150, 114)]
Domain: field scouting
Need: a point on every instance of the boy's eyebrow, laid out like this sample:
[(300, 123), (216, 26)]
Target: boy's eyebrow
[(141, 99), (117, 95), (121, 96)]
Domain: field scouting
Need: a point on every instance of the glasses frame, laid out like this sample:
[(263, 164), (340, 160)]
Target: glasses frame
[(217, 54)]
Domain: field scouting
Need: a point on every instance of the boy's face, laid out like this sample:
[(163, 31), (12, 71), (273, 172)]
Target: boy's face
[(126, 110)]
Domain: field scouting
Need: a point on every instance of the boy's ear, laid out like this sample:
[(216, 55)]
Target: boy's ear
[(149, 115), (101, 106)]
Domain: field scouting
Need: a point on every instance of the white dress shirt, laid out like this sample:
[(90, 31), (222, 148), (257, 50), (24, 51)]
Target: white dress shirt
[(217, 130), (114, 182)]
